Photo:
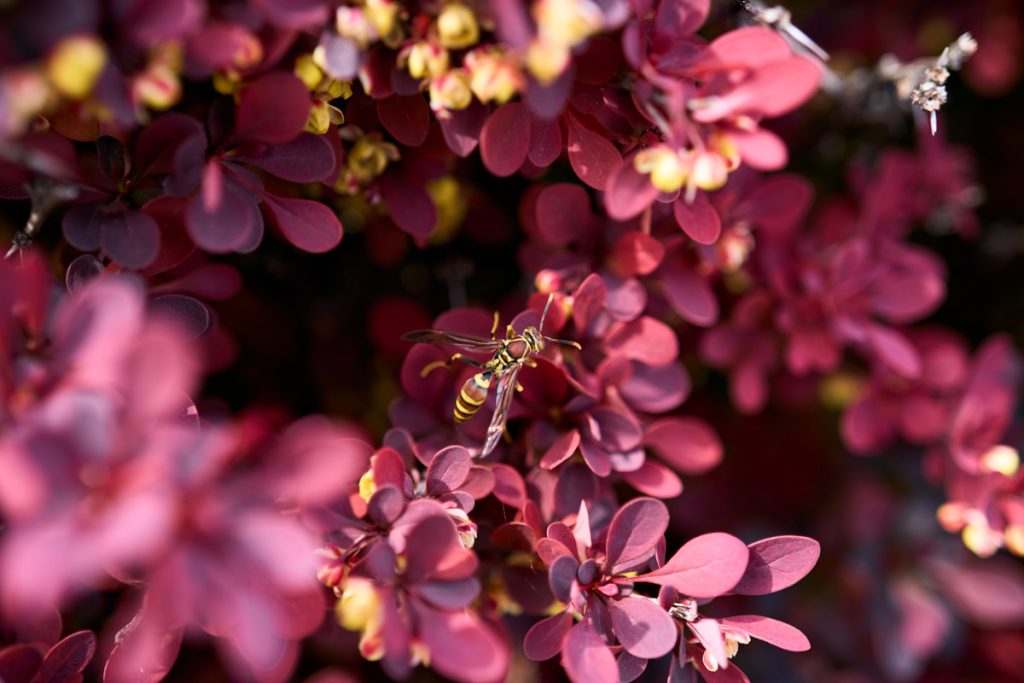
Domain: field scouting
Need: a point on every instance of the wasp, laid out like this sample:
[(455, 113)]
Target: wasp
[(509, 356)]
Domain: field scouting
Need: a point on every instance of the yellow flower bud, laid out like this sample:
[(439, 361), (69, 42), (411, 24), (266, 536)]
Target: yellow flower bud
[(710, 171), (383, 14), (450, 91), (567, 22), (319, 120), (75, 65), (1014, 536), (359, 608), (493, 76), (369, 157), (1002, 459), (980, 539), (457, 27), (308, 72), (367, 485), (547, 60), (426, 60), (666, 166), (158, 87)]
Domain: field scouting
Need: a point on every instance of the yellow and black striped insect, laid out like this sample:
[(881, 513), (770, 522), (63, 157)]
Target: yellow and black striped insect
[(510, 355)]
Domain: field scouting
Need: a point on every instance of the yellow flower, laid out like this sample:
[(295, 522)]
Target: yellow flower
[(450, 91), (667, 167), (457, 27), (75, 65)]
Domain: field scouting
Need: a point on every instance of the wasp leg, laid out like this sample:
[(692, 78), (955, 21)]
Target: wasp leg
[(494, 327), (430, 367), (519, 387), (510, 331), (530, 363)]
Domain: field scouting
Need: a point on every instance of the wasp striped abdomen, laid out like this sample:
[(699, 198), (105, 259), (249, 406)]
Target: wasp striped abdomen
[(472, 396)]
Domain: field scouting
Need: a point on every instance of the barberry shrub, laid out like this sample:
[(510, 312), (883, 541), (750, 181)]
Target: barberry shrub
[(343, 339)]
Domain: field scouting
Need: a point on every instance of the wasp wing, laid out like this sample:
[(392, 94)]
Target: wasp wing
[(468, 342), (502, 403)]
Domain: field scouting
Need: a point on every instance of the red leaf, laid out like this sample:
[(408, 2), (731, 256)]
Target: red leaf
[(509, 487), (654, 479), (272, 109), (592, 156), (505, 139), (628, 192), (447, 470), (699, 220), (410, 205), (637, 253), (67, 659), (776, 563), (545, 141), (19, 663), (407, 119), (689, 294), (461, 128), (307, 224), (563, 212)]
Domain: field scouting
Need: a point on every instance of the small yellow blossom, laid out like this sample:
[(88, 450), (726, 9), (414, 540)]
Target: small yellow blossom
[(75, 65), (457, 27)]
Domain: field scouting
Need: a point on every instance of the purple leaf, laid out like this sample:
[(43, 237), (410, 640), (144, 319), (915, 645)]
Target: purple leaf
[(645, 340), (81, 227), (643, 628), (689, 293), (561, 450), (544, 639), (80, 271), (449, 595), (677, 18), (591, 155), (306, 159), (771, 631), (563, 213), (67, 659), (630, 667), (447, 470), (410, 205), (895, 350), (223, 216), (461, 128), (385, 505), (509, 486), (271, 109), (505, 139), (19, 663), (706, 567), (187, 312), (586, 658), (307, 224), (562, 575), (407, 119), (131, 238), (776, 563), (294, 14), (634, 531)]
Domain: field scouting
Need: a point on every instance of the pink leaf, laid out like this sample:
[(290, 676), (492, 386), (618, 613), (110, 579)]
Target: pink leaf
[(776, 563), (407, 119), (561, 450), (761, 149), (686, 443), (637, 253), (585, 657), (544, 639), (591, 155), (643, 628), (447, 470), (505, 139), (895, 350), (706, 567), (545, 142), (689, 293), (654, 479), (634, 531), (461, 128), (645, 340), (772, 631), (307, 224), (19, 663)]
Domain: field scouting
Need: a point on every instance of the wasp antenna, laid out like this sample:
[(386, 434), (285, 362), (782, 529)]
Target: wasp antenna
[(565, 342), (540, 326)]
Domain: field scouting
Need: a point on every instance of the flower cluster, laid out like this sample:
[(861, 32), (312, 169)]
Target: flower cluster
[(509, 488)]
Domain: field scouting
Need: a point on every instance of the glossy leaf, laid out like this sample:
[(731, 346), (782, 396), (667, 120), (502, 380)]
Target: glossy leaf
[(776, 563), (634, 531), (705, 567)]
